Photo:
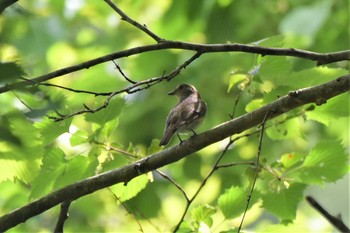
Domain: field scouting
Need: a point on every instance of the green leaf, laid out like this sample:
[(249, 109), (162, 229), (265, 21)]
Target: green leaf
[(332, 110), (50, 130), (202, 214), (22, 164), (254, 104), (276, 70), (57, 172), (291, 159), (238, 78), (286, 130), (127, 191), (52, 167), (24, 130), (77, 168), (154, 147), (78, 138), (232, 203), (185, 227), (313, 76), (326, 162), (112, 111), (283, 204), (10, 71)]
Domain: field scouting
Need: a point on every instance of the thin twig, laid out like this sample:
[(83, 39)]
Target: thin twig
[(122, 73), (24, 103), (133, 22), (214, 168), (62, 217), (257, 168), (133, 88), (336, 222), (67, 88), (321, 58), (127, 210), (128, 172), (165, 176)]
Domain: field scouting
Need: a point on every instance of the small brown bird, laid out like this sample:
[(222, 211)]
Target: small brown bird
[(186, 115)]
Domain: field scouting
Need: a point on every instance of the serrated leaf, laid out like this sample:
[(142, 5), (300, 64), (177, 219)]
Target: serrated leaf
[(77, 168), (203, 213), (112, 111), (127, 191), (24, 130), (326, 162), (50, 130), (10, 71), (78, 138), (22, 164), (52, 167), (283, 204), (232, 203), (57, 172)]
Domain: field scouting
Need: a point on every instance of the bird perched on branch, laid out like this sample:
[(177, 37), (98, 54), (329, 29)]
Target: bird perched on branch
[(186, 115)]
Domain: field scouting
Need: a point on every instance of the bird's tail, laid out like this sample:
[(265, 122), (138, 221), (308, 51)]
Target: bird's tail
[(169, 132)]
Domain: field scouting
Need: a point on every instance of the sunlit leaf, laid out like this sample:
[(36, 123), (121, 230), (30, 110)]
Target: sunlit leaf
[(52, 167), (333, 109), (127, 191), (232, 203), (203, 213), (326, 162), (254, 104), (112, 111), (286, 130), (50, 130), (284, 203), (78, 138)]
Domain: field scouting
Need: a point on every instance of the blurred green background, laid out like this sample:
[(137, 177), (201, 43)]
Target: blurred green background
[(43, 36)]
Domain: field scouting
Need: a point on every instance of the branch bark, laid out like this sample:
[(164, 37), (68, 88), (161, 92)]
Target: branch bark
[(316, 94), (320, 58)]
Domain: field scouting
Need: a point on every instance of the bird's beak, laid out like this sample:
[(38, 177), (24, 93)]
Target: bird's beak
[(172, 92)]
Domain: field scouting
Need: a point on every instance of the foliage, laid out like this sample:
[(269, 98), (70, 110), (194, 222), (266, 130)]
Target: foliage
[(304, 147)]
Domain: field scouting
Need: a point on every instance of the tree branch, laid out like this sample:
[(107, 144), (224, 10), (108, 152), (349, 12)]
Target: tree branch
[(336, 222), (135, 87), (62, 217), (320, 58), (133, 22), (124, 174)]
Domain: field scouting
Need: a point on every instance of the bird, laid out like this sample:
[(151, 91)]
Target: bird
[(188, 113)]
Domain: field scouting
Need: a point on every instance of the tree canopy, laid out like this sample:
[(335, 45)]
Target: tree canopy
[(83, 90)]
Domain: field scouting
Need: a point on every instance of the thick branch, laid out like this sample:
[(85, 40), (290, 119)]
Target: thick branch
[(320, 58), (316, 94)]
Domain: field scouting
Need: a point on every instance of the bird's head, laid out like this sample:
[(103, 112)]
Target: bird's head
[(183, 91)]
